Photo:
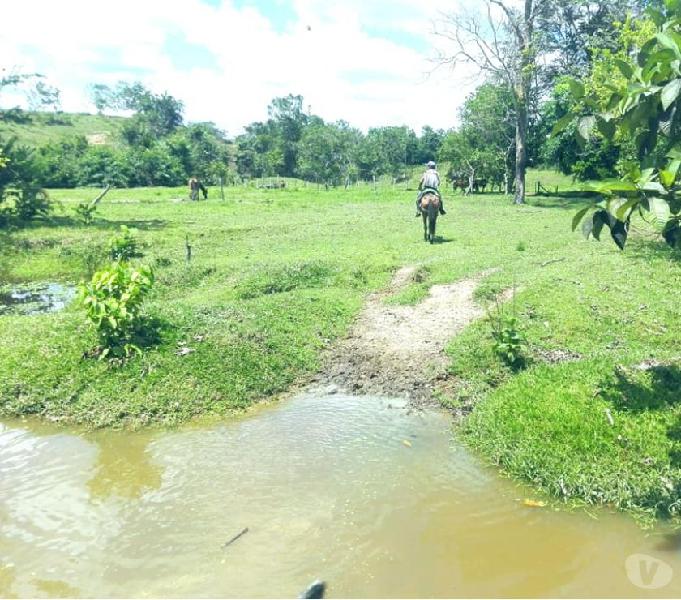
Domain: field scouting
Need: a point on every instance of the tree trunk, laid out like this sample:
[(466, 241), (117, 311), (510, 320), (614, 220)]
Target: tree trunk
[(522, 98), (521, 151), (471, 179)]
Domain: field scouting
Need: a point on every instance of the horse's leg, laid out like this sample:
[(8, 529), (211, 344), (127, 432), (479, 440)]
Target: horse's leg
[(425, 226)]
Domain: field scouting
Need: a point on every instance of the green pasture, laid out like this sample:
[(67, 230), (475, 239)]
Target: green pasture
[(277, 275)]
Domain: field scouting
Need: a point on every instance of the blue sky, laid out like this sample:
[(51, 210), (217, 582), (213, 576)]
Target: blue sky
[(366, 61)]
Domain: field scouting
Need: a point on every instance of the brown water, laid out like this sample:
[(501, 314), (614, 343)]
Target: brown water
[(373, 500)]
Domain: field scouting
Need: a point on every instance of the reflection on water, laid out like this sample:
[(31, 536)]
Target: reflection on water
[(372, 499), (127, 474), (50, 297)]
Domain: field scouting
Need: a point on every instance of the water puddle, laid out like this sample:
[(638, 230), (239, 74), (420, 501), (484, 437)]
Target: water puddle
[(41, 298), (359, 492)]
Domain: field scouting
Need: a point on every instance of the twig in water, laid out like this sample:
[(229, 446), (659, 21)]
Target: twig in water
[(236, 537)]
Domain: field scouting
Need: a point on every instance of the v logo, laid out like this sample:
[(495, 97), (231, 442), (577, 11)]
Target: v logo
[(648, 572)]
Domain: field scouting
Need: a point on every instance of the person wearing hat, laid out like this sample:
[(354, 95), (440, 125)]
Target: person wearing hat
[(430, 183)]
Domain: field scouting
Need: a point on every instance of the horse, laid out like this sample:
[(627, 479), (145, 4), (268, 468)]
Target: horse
[(430, 208)]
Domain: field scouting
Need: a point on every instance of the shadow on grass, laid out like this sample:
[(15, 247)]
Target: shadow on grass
[(563, 201), (647, 387), (66, 221), (151, 333), (651, 248)]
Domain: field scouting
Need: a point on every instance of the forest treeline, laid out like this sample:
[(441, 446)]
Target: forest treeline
[(572, 39)]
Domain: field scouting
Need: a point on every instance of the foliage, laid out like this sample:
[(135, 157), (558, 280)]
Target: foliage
[(21, 194), (32, 86), (503, 42), (326, 152), (123, 246), (86, 212), (484, 144), (509, 341), (113, 301), (576, 31), (643, 105), (294, 143)]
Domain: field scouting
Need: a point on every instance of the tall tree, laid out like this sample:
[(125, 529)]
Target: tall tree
[(287, 116), (326, 152), (485, 142), (502, 42), (32, 86)]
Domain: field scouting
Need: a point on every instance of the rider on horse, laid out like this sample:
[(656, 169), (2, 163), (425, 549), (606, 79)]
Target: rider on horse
[(429, 184)]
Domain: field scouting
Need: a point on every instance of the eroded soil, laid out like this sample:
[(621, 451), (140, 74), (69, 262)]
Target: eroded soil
[(399, 350)]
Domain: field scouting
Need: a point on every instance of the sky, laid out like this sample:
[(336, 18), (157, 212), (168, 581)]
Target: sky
[(369, 62)]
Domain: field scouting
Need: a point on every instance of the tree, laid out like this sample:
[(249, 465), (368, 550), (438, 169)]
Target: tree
[(503, 44), (644, 105), (428, 145), (22, 179), (575, 29), (288, 120), (32, 85), (488, 125), (156, 115), (326, 152)]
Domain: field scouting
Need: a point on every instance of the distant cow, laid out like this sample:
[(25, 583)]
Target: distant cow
[(464, 184), (460, 183), (480, 185)]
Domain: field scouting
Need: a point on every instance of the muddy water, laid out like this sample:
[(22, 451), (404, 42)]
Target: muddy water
[(49, 297), (372, 499)]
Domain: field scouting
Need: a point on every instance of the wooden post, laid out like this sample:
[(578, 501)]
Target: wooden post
[(189, 249), (222, 188)]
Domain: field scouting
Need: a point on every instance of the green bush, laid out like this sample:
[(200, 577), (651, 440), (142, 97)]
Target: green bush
[(123, 246), (509, 342), (113, 301), (86, 212)]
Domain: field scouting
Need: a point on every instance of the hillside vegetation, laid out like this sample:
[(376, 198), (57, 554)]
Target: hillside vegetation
[(40, 128)]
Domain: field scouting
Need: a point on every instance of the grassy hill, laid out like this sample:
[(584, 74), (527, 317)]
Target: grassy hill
[(42, 127)]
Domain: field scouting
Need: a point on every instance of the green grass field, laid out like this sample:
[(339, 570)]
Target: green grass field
[(276, 276)]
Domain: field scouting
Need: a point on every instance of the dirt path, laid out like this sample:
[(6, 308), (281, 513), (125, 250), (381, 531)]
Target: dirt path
[(399, 350)]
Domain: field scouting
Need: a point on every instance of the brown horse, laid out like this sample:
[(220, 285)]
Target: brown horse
[(430, 208)]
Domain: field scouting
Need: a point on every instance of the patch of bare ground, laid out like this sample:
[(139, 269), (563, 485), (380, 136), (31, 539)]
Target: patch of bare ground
[(398, 351)]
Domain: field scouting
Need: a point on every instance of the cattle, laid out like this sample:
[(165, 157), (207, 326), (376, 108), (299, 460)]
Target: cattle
[(464, 184)]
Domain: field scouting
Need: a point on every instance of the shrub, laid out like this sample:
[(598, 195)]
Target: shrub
[(113, 301), (86, 212), (123, 246), (509, 342)]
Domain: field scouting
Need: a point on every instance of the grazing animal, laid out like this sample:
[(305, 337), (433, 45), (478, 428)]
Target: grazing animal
[(480, 185)]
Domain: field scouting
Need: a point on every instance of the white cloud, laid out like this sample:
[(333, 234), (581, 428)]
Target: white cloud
[(77, 42)]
